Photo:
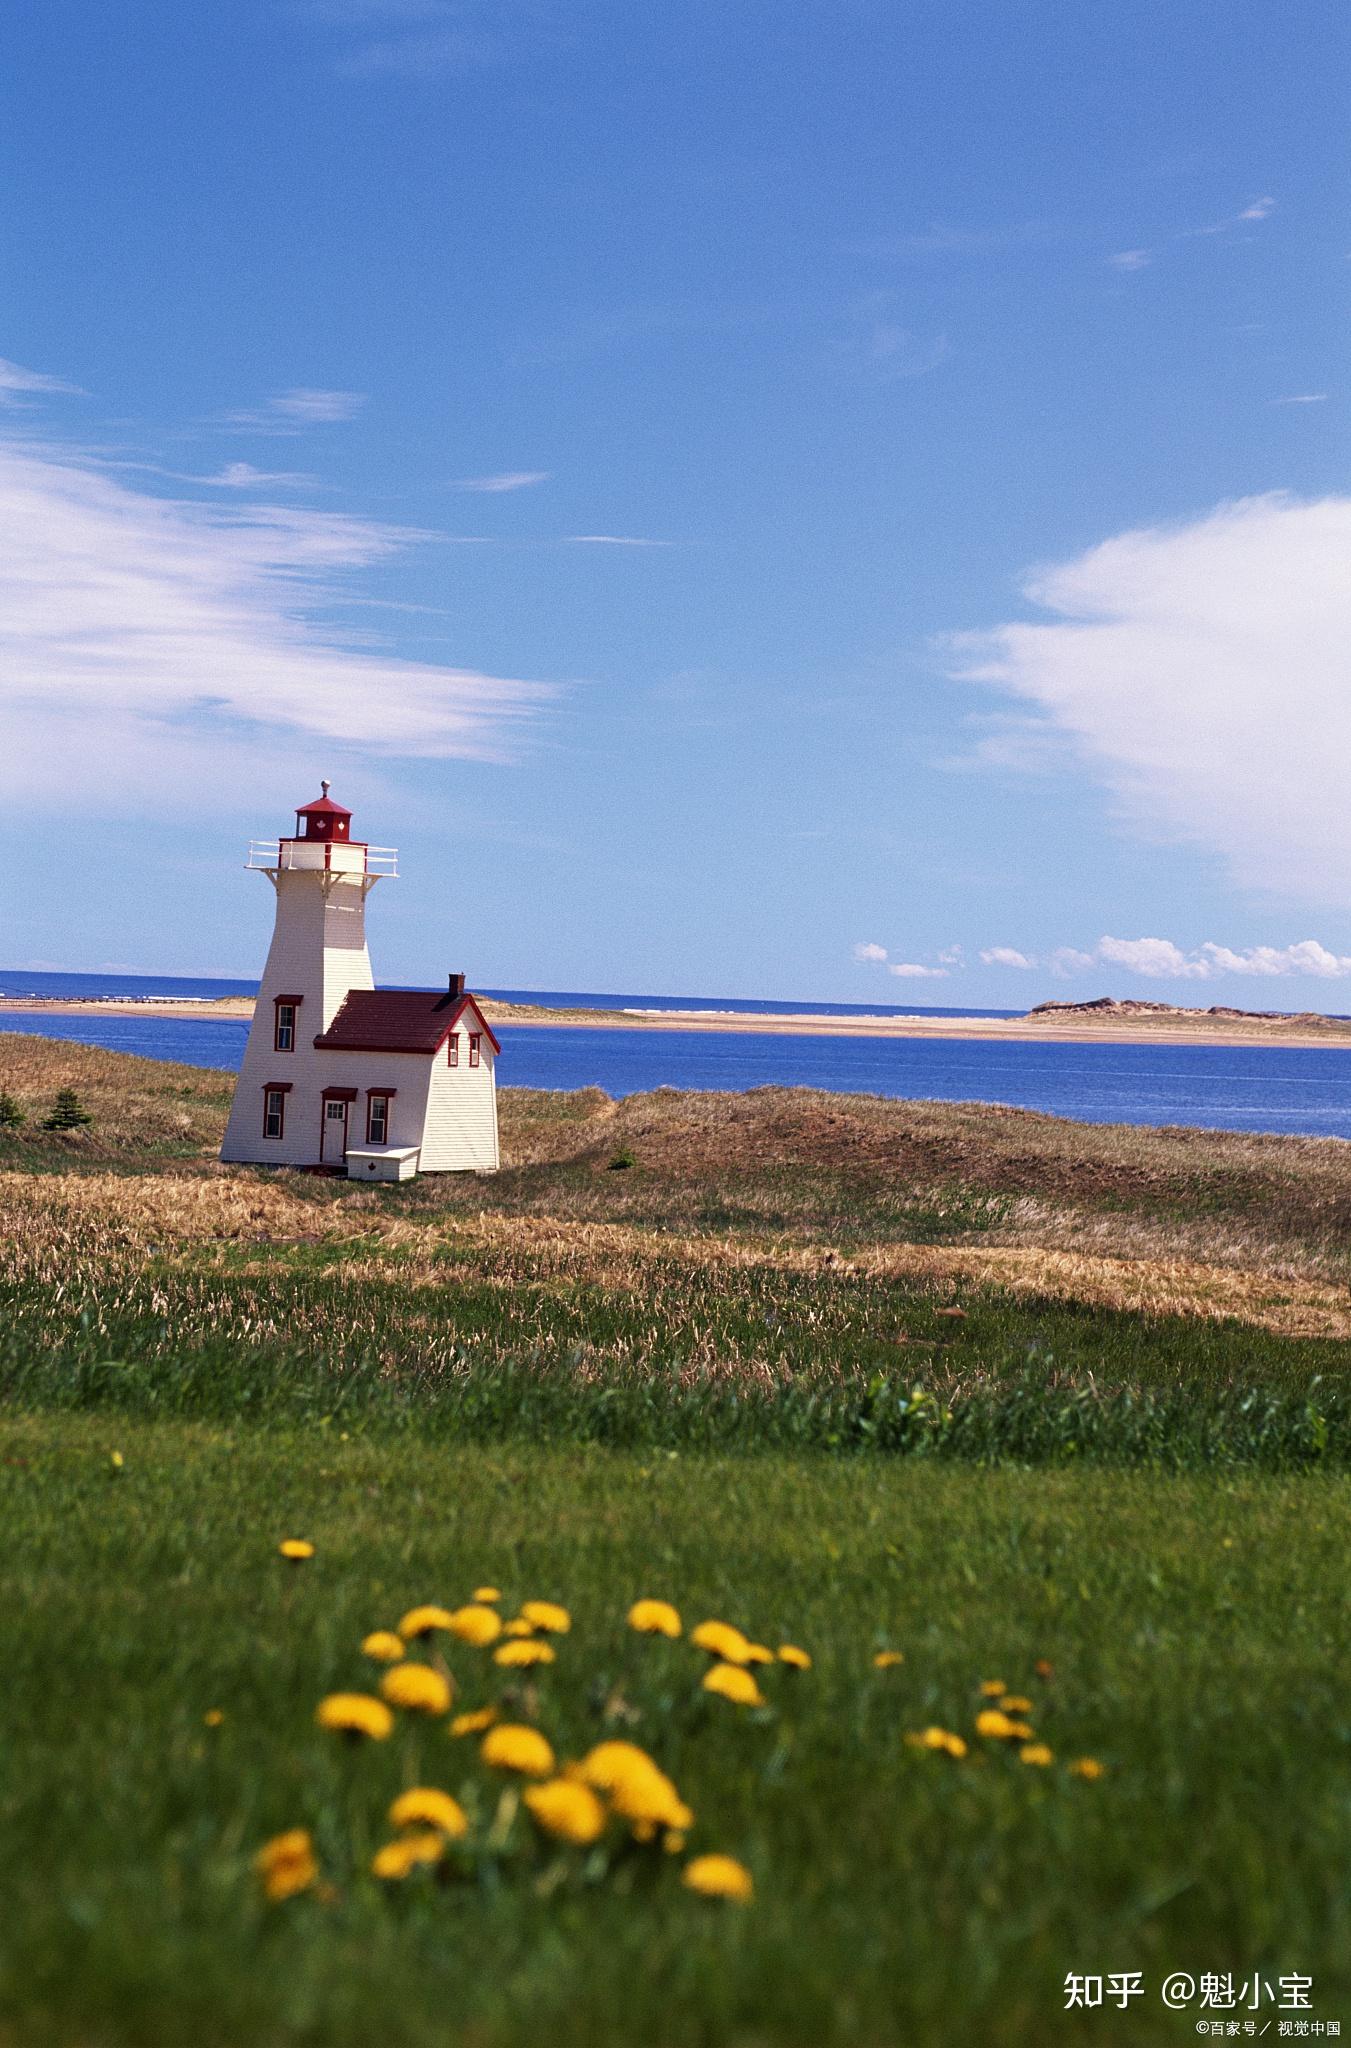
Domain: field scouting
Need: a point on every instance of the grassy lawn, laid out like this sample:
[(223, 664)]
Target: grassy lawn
[(1196, 1628), (994, 1391)]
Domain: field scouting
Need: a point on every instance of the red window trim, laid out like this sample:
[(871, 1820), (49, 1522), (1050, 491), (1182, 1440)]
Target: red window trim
[(340, 1094), (453, 1049), (281, 1089), (374, 1095), (292, 1003), (475, 1048)]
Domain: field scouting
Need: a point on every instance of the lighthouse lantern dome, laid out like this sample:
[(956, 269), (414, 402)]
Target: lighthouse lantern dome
[(323, 819)]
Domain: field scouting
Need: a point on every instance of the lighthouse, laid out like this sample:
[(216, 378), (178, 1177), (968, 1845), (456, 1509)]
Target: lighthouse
[(375, 1083)]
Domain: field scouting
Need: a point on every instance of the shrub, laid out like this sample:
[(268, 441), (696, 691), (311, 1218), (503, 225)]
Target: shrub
[(11, 1115), (622, 1160), (68, 1114)]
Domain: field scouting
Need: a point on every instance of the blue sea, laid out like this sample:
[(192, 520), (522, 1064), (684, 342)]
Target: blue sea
[(1306, 1092)]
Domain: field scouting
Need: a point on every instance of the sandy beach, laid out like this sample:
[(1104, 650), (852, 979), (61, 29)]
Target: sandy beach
[(1068, 1029)]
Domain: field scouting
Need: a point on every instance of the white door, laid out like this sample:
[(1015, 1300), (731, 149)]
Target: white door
[(334, 1148)]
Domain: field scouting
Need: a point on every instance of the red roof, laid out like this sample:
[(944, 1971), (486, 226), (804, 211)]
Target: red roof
[(399, 1020), (323, 807)]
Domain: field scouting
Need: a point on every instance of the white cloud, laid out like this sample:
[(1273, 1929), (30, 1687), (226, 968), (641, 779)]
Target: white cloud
[(242, 476), (1067, 960), (149, 646), (302, 406), (1153, 957), (614, 540), (1201, 670), (1259, 209), (1131, 259), (1005, 956), (14, 379), (509, 480), (910, 970), (866, 950), (1303, 398)]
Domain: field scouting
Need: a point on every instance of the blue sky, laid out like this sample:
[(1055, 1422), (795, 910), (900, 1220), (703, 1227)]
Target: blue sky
[(751, 500)]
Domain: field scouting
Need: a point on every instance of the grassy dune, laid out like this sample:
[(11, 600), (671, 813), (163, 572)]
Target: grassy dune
[(1024, 1400)]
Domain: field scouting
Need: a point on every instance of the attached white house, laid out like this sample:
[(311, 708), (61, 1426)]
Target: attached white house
[(379, 1083)]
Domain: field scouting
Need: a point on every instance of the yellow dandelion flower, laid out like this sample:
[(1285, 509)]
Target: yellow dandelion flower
[(637, 1788), (673, 1841), (514, 1748), (887, 1660), (476, 1624), (425, 1807), (1022, 1731), (993, 1688), (1014, 1703), (522, 1652), (757, 1653), (795, 1659), (417, 1688), (383, 1645), (548, 1615), (938, 1739), (487, 1593), (296, 1549), (1036, 1753), (475, 1722), (721, 1640), (718, 1877), (355, 1713), (1087, 1767), (994, 1724), (213, 1717), (567, 1809), (287, 1864), (654, 1618), (420, 1621), (411, 1852), (519, 1627), (733, 1683)]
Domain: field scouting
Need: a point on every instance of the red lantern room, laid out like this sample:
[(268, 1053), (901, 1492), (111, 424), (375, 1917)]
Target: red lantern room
[(323, 819)]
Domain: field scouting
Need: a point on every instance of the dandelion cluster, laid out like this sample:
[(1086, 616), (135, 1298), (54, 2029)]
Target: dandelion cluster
[(517, 1795)]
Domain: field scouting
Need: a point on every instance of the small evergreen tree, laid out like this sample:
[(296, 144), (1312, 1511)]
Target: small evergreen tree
[(68, 1114), (11, 1116)]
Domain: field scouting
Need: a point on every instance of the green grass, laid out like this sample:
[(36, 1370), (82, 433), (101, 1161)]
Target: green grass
[(1196, 1627)]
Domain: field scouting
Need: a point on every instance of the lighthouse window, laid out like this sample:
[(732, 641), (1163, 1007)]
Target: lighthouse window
[(274, 1112), (377, 1119), (475, 1042), (286, 1026), (453, 1050)]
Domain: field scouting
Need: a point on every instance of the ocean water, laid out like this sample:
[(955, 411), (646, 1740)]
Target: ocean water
[(1306, 1092)]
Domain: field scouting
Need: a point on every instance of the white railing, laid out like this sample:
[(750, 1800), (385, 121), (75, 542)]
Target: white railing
[(338, 856)]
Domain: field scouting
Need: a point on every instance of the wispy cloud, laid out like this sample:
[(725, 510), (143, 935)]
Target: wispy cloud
[(16, 383), (914, 970), (410, 38), (509, 480), (1303, 398), (1140, 259), (615, 540), (151, 646), (1006, 956), (1201, 670), (303, 406), (867, 949), (1164, 960), (879, 345)]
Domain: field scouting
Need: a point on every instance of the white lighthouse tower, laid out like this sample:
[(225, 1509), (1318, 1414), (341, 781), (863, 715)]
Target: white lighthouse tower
[(318, 955), (338, 1074)]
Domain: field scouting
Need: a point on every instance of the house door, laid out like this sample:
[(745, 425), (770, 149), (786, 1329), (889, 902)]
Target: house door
[(334, 1149)]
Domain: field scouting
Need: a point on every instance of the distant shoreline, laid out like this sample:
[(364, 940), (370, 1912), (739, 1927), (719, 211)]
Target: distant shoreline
[(1075, 1027)]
